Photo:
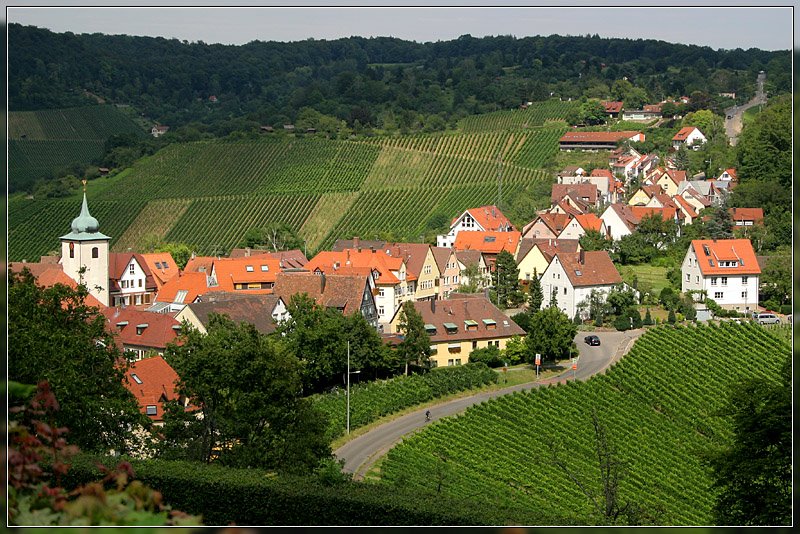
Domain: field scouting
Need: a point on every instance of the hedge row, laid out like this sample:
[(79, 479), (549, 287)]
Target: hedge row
[(225, 496), (373, 400)]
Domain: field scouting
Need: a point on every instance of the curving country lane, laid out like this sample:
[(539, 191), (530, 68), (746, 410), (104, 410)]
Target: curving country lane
[(361, 453)]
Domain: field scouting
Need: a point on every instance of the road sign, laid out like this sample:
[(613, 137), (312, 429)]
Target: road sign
[(574, 364), (538, 359)]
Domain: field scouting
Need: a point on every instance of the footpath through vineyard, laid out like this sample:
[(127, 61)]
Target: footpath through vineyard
[(361, 453)]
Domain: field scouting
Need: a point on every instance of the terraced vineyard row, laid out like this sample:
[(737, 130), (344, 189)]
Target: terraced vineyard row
[(479, 146), (657, 405), (35, 226), (87, 122), (217, 224), (213, 192), (535, 115), (540, 147), (263, 166), (31, 160)]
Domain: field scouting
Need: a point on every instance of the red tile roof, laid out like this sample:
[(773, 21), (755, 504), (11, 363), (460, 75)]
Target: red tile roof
[(490, 218), (199, 264), (254, 309), (654, 108), (341, 291), (548, 247), (582, 190), (162, 266), (123, 323), (568, 208), (688, 208), (593, 268), (457, 311), (612, 107), (683, 133), (158, 384), (640, 212), (747, 214), (118, 264), (601, 137), (413, 254), (589, 221), (556, 222), (376, 260), (488, 242), (740, 250), (194, 283), (253, 270), (50, 274)]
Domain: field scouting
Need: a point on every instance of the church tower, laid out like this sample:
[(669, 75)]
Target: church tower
[(85, 248)]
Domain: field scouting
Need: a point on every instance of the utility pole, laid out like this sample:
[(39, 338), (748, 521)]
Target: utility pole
[(499, 179), (348, 386)]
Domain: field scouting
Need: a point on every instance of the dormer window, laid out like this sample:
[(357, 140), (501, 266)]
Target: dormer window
[(450, 328), (249, 268), (264, 268), (140, 328), (122, 324), (152, 409), (430, 329), (136, 378), (180, 295)]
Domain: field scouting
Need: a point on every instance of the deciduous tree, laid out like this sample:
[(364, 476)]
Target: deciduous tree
[(552, 334), (416, 345)]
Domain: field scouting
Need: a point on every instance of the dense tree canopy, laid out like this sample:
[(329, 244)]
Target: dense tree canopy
[(248, 389), (54, 335)]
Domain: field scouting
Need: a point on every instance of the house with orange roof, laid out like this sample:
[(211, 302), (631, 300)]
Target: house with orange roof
[(747, 216), (613, 108), (199, 264), (421, 263), (50, 274), (490, 244), (153, 382), (182, 289), (546, 226), (141, 332), (253, 275), (536, 254), (689, 136), (162, 267), (725, 270), (347, 293), (689, 212), (669, 180), (621, 219), (572, 276), (461, 324), (582, 223), (581, 140), (482, 219), (130, 282), (394, 284), (728, 175)]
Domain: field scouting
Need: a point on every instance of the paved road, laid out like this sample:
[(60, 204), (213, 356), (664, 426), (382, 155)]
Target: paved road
[(733, 125), (360, 453)]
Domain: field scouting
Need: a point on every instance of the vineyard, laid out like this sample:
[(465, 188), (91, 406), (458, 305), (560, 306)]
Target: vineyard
[(537, 114), (43, 142), (372, 400), (209, 193), (658, 406)]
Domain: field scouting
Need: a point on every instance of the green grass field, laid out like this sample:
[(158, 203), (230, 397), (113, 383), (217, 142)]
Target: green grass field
[(649, 277), (659, 407), (209, 193)]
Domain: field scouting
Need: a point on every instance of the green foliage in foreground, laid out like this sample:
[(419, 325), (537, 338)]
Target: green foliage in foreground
[(660, 407), (251, 497), (372, 400)]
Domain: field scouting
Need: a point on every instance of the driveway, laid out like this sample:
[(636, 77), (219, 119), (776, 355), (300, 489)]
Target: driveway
[(361, 453)]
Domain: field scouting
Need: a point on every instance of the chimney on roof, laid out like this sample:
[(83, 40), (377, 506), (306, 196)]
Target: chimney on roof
[(247, 252), (433, 305), (322, 282), (581, 257), (348, 256), (355, 242), (372, 249)]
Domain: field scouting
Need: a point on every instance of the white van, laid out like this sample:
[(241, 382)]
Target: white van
[(767, 318)]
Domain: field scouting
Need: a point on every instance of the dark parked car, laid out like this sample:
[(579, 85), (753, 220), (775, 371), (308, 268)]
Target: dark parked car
[(592, 340)]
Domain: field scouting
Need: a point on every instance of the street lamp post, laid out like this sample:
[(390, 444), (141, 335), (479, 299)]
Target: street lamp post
[(348, 385)]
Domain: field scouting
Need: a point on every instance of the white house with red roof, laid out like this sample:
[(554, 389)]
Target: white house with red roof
[(482, 219), (580, 224), (130, 281), (689, 136), (582, 140), (726, 270), (747, 216), (728, 175), (571, 277)]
